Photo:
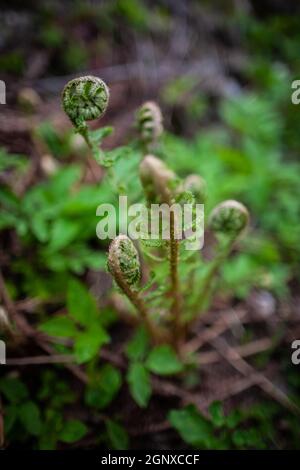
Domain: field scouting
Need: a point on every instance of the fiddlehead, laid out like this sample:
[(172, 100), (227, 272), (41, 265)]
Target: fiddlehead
[(229, 218), (196, 185), (149, 122), (124, 265), (123, 261), (85, 99), (157, 179)]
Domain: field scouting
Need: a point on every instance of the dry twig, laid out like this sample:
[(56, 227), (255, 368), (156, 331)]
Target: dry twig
[(232, 356)]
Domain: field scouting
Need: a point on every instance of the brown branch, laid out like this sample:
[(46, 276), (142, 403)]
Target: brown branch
[(249, 349), (202, 404), (28, 331), (232, 356), (37, 360), (222, 324)]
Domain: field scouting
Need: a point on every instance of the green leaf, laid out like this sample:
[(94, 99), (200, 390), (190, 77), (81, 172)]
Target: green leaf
[(117, 435), (104, 388), (88, 343), (73, 431), (62, 181), (81, 304), (233, 418), (193, 428), (13, 389), (10, 417), (63, 232), (29, 415), (110, 157), (139, 383), (39, 226), (216, 412), (138, 346), (59, 326), (163, 360), (250, 438), (99, 134)]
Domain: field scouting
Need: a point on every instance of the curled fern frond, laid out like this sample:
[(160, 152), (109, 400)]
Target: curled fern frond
[(85, 99), (158, 180), (123, 262), (230, 218), (149, 122), (196, 185)]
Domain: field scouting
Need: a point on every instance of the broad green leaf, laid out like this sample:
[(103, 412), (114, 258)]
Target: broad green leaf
[(10, 417), (13, 389), (62, 181), (117, 435), (88, 343), (216, 413), (104, 388), (59, 326), (138, 346), (248, 438), (193, 428), (73, 431), (163, 360), (233, 418), (139, 383), (81, 304), (63, 232), (40, 227), (29, 415)]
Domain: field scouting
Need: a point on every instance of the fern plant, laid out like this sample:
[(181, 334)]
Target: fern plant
[(180, 284)]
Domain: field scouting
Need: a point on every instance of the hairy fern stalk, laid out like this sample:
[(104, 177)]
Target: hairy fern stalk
[(180, 284)]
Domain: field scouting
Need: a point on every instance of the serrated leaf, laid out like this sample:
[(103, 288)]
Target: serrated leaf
[(233, 418), (59, 326), (73, 431), (29, 415), (138, 379), (138, 346), (163, 360), (104, 388), (62, 233), (13, 389), (117, 435), (193, 428), (216, 413), (88, 343), (81, 304), (10, 417), (39, 226)]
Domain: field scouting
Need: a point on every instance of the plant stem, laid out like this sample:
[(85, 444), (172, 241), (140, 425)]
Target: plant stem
[(156, 333), (214, 269), (85, 134), (175, 291)]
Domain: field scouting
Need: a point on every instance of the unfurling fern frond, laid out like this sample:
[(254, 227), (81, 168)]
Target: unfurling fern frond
[(229, 218)]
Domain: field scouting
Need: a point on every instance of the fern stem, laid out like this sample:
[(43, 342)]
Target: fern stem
[(206, 288), (140, 306), (175, 289)]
